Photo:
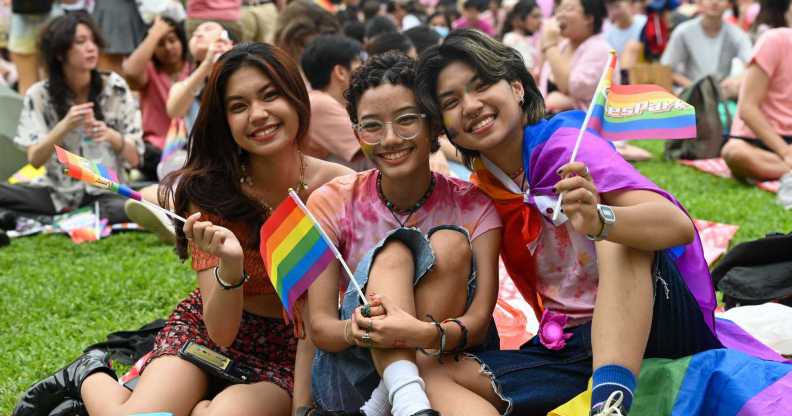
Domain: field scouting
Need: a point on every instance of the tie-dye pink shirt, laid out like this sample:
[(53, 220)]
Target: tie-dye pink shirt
[(353, 216)]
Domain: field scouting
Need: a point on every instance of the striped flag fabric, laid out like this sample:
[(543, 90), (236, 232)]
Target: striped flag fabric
[(295, 250), (93, 173), (635, 112)]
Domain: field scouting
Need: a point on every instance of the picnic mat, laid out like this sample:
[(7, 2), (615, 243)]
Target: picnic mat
[(717, 167)]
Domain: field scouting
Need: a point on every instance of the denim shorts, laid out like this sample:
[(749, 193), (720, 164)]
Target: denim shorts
[(344, 380), (535, 380)]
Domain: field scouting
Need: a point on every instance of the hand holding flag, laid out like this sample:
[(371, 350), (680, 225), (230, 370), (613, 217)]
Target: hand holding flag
[(627, 112)]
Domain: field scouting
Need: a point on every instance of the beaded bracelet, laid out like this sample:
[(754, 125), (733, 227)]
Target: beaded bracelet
[(441, 351), (463, 341), (226, 286)]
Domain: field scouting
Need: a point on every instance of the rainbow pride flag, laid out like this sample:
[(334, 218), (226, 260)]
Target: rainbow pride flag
[(92, 173), (721, 382), (627, 112), (295, 250)]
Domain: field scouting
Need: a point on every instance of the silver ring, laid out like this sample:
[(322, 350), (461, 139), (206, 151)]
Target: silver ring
[(586, 171), (370, 325)]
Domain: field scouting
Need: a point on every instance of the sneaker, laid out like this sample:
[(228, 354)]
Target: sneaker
[(785, 190), (611, 407), (152, 220)]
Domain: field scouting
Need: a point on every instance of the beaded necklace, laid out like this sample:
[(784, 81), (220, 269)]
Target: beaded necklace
[(409, 211)]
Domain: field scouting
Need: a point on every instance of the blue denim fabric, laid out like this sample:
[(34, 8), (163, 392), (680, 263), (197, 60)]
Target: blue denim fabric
[(345, 380), (534, 380)]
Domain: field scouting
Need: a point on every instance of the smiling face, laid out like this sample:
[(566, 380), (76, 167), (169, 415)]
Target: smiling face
[(84, 52), (479, 116), (261, 118), (573, 22), (394, 156)]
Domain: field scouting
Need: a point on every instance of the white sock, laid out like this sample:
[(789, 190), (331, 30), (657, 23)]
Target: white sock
[(377, 404), (405, 388)]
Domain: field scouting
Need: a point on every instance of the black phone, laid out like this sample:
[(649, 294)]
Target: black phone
[(216, 364)]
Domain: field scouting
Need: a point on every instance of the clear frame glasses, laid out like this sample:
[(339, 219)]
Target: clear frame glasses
[(405, 126)]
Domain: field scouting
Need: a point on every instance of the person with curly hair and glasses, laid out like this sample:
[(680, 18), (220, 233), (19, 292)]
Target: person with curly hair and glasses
[(424, 248)]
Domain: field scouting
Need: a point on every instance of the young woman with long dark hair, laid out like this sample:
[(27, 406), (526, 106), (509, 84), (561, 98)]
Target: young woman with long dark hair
[(87, 112), (244, 154)]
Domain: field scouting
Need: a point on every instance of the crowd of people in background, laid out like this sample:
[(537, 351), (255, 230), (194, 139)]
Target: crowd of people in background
[(294, 94)]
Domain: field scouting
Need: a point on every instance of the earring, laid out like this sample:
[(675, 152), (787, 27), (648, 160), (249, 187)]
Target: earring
[(522, 101)]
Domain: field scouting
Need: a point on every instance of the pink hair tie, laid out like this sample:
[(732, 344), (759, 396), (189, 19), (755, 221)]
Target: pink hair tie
[(551, 330)]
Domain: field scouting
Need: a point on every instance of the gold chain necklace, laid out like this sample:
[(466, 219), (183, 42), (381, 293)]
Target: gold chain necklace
[(299, 187)]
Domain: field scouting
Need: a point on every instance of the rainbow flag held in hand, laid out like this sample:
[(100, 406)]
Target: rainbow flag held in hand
[(92, 173), (635, 112), (295, 250)]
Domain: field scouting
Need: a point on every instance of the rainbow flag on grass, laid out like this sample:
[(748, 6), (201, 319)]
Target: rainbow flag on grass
[(627, 112), (295, 250), (92, 173)]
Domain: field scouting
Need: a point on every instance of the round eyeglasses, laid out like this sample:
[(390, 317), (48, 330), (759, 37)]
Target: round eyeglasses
[(406, 126)]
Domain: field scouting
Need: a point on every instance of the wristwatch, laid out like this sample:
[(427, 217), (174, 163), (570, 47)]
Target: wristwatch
[(608, 218)]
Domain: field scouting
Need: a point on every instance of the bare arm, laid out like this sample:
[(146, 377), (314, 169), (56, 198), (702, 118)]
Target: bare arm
[(182, 93), (752, 93), (302, 373), (560, 66), (222, 309), (645, 220), (134, 67), (324, 327)]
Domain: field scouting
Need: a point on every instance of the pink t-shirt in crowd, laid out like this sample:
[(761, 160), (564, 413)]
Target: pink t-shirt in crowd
[(588, 62), (480, 24), (330, 132), (153, 101), (771, 55), (214, 9), (356, 219)]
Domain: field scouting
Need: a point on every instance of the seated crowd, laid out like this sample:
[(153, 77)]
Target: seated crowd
[(428, 139)]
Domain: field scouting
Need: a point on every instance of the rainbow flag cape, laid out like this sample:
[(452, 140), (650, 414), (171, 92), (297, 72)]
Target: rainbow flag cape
[(722, 382), (92, 173), (627, 112), (295, 250)]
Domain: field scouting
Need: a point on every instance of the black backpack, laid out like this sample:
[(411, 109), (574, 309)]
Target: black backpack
[(705, 96), (127, 347), (757, 272)]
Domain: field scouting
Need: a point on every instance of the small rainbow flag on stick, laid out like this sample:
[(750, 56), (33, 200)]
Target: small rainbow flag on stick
[(625, 112), (93, 173), (296, 251), (636, 112), (97, 174)]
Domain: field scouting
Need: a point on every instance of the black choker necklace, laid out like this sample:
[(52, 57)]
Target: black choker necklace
[(409, 211)]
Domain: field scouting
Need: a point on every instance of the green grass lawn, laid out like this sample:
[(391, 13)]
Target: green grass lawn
[(58, 297)]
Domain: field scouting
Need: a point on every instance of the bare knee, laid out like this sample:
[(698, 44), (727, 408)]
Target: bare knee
[(453, 254), (392, 255)]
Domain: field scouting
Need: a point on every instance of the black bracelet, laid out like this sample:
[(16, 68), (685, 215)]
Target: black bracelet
[(226, 286), (441, 351), (462, 342)]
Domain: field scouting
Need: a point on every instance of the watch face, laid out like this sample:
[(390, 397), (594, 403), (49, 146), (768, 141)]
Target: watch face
[(608, 216)]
